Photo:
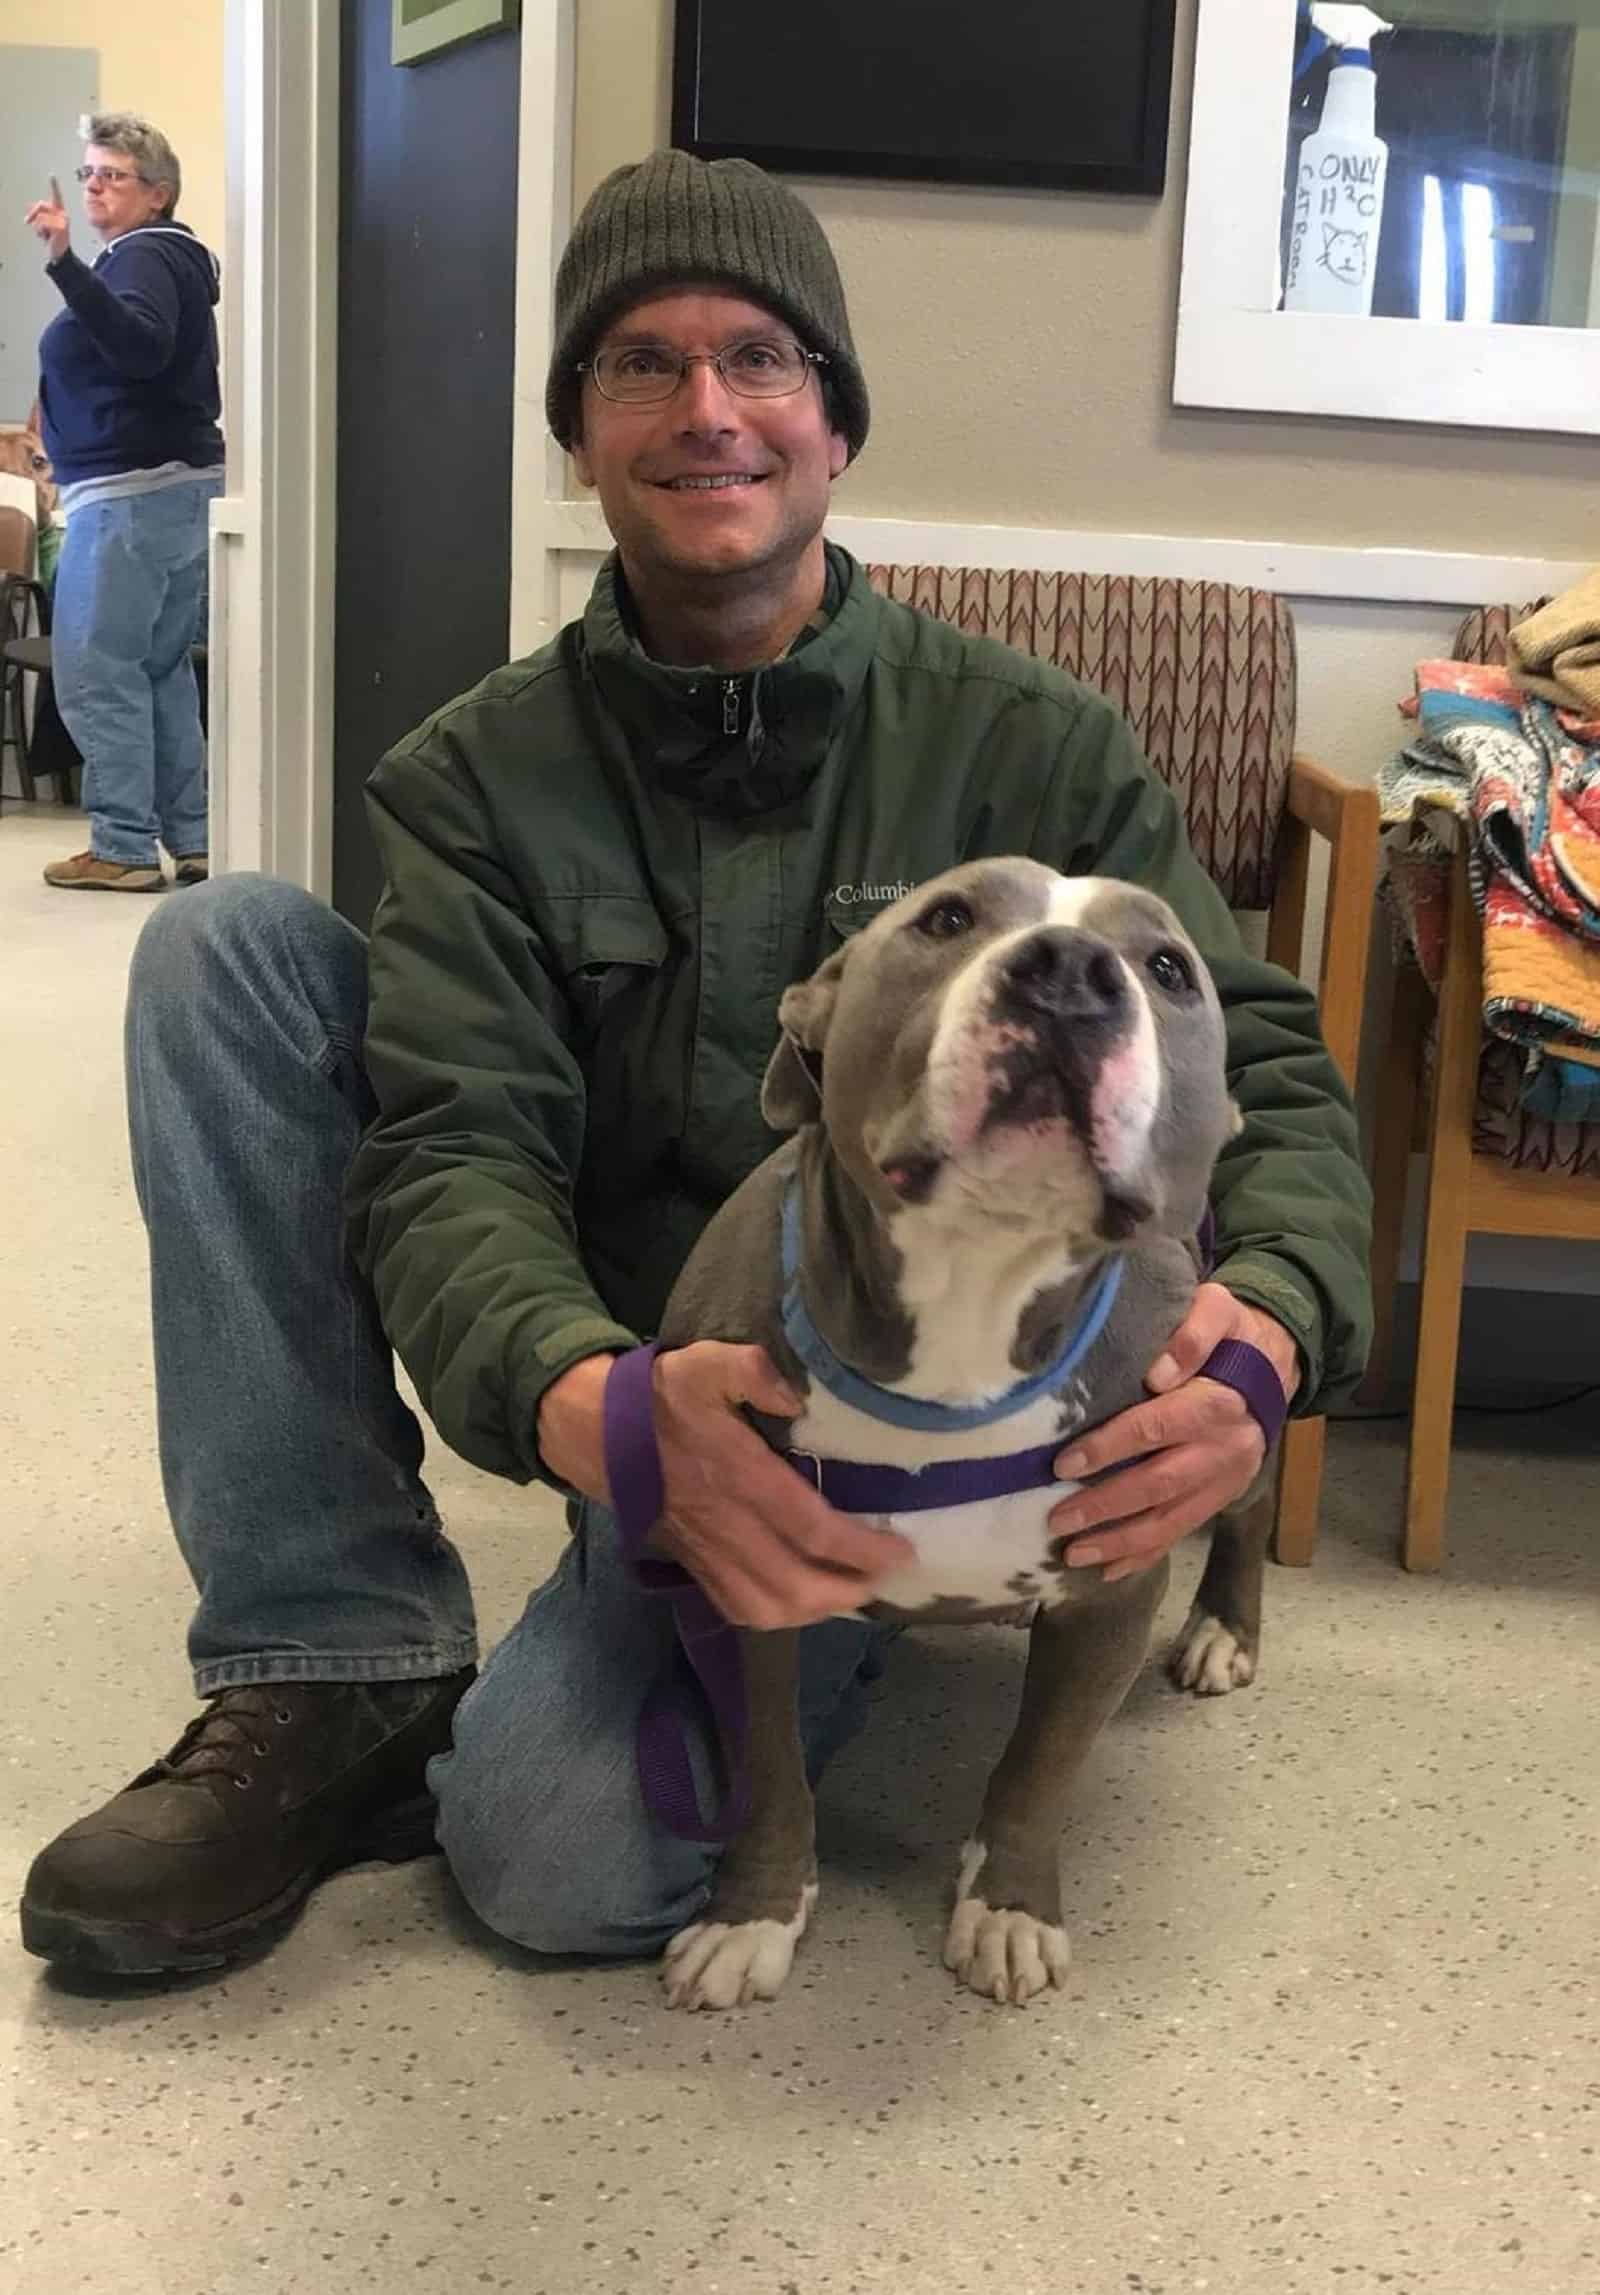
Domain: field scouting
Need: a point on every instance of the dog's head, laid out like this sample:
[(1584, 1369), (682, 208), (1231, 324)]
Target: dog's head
[(1046, 1049), (22, 454)]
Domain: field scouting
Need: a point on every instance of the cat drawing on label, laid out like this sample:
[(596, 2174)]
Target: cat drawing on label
[(1336, 223), (1344, 253)]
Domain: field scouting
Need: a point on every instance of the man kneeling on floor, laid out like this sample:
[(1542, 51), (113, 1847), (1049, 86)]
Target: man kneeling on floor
[(489, 1138)]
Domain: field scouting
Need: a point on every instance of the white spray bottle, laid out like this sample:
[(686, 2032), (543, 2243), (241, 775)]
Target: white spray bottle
[(1337, 202)]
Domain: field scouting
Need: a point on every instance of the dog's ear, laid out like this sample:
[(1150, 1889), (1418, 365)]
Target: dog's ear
[(791, 1090)]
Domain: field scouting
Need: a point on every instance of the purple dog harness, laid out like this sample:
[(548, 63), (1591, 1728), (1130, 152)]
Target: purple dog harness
[(708, 1646)]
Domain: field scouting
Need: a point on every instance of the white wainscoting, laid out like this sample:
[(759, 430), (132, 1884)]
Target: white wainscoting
[(1363, 618)]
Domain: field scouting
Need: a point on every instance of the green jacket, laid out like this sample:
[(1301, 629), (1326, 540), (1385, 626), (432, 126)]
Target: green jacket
[(601, 874)]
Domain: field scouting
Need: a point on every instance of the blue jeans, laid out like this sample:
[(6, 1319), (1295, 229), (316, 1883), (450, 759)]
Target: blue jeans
[(130, 590), (293, 1468)]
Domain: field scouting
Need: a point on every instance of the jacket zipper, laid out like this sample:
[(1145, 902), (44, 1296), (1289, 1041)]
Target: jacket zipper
[(730, 705)]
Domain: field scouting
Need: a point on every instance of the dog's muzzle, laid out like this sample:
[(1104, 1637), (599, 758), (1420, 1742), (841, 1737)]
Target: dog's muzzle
[(1063, 997)]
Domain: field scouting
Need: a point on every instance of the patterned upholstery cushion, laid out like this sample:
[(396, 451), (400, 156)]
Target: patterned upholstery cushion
[(1501, 1126), (1204, 672), (1482, 635)]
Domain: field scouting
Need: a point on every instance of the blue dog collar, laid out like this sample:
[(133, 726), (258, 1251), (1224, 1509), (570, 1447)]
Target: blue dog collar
[(847, 1386)]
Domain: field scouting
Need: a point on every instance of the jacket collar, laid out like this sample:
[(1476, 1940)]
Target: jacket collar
[(734, 745)]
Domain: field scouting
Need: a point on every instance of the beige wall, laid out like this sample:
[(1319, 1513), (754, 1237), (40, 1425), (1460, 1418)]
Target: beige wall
[(159, 57), (1019, 350)]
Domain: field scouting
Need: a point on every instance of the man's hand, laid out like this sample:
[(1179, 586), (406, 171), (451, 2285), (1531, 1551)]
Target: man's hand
[(765, 1547), (1206, 1448), (47, 219)]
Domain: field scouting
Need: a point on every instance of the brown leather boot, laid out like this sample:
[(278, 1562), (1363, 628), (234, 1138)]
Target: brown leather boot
[(211, 1853)]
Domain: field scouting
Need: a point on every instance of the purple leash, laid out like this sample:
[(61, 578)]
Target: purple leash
[(1235, 1363), (707, 1641)]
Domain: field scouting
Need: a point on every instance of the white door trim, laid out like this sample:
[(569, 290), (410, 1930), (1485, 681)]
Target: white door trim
[(547, 98), (272, 532)]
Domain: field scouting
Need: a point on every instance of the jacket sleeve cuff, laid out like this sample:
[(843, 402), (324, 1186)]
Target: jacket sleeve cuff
[(1264, 1282), (546, 1362)]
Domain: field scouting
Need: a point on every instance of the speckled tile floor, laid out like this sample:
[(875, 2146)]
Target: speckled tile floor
[(1332, 2025)]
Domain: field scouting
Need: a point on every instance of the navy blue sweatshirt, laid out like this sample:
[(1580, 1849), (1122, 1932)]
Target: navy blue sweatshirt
[(128, 371)]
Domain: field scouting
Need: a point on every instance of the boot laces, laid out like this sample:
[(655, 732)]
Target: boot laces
[(232, 1730)]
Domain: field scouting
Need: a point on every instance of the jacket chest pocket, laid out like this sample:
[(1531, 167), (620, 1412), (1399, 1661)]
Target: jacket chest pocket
[(613, 949)]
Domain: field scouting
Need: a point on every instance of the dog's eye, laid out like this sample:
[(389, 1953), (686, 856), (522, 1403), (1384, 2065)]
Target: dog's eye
[(1170, 969), (945, 919)]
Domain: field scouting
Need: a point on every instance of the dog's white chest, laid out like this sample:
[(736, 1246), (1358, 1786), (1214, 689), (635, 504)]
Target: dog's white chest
[(992, 1553)]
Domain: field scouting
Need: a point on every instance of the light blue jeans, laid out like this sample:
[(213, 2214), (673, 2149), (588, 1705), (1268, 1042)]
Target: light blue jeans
[(293, 1468), (130, 592)]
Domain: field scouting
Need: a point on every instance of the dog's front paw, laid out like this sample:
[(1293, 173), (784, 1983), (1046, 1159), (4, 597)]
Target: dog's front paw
[(1004, 1954), (1209, 1658), (1007, 1956), (722, 1964)]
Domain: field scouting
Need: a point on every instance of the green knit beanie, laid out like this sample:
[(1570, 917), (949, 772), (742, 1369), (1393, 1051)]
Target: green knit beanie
[(675, 219)]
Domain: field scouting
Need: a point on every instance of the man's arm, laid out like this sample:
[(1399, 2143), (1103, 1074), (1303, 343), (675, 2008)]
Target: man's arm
[(460, 1195), (134, 323), (1290, 1195)]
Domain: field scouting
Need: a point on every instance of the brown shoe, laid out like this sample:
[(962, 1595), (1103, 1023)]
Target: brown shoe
[(212, 1852), (190, 868), (83, 873)]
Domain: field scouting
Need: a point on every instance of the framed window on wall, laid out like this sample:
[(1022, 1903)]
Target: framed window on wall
[(1405, 231), (422, 27), (1010, 92)]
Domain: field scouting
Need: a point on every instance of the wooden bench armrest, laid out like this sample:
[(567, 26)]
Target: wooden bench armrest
[(1344, 813), (1329, 805)]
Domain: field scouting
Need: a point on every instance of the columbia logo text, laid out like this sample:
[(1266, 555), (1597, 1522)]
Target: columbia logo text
[(853, 896)]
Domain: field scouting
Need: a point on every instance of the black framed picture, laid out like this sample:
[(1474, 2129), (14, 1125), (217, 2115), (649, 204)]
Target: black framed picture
[(1054, 92)]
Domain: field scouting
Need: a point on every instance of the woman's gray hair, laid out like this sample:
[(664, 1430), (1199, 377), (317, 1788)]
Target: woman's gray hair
[(134, 138)]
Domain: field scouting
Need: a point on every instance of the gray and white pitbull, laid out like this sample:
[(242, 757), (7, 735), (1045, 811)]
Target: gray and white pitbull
[(1004, 1082)]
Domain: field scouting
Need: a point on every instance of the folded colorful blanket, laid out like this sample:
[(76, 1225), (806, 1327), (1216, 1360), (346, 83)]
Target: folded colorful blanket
[(1536, 808), (1541, 989), (1555, 653), (1521, 781)]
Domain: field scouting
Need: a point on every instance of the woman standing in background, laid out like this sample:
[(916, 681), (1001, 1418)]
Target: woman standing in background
[(130, 401)]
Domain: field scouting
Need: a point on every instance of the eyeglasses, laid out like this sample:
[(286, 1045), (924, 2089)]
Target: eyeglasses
[(107, 174), (647, 374)]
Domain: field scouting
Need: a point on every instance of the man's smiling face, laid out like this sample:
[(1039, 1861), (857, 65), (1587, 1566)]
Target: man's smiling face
[(708, 483)]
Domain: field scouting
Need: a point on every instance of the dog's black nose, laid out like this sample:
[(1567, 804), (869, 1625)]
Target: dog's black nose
[(1070, 975)]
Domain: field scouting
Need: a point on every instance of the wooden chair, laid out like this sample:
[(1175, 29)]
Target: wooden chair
[(40, 741), (1205, 673), (25, 492), (1492, 1169), (18, 524)]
